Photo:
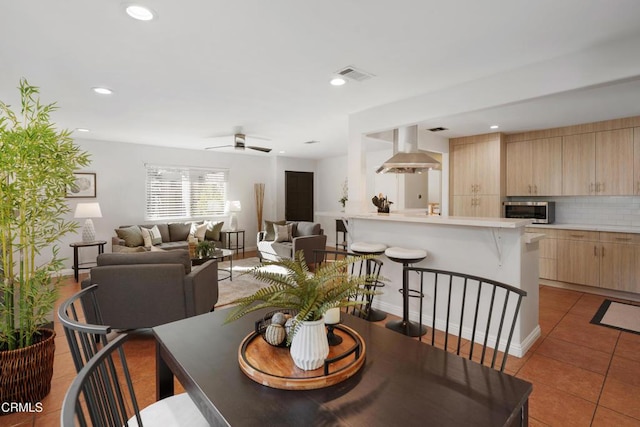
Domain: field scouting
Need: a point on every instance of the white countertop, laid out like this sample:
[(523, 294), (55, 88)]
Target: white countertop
[(590, 227), (442, 220)]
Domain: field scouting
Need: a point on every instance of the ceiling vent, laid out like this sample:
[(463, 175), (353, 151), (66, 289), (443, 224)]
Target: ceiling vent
[(313, 141), (353, 73), (438, 129)]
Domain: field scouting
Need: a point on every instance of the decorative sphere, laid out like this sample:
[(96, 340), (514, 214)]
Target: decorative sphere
[(275, 334), (278, 318)]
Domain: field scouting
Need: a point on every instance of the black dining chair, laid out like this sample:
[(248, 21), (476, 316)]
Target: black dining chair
[(103, 394), (475, 315), (369, 268)]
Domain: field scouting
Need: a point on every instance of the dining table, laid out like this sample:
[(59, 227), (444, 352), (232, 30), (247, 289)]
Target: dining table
[(402, 382)]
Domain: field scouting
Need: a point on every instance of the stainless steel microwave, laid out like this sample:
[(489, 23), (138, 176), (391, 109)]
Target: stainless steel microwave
[(539, 212)]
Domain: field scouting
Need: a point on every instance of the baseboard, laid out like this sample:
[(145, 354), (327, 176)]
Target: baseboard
[(612, 293), (516, 349)]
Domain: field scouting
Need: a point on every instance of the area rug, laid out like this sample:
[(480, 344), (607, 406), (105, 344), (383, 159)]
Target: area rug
[(242, 285), (618, 315)]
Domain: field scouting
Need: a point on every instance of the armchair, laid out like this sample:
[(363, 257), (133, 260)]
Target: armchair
[(146, 289), (305, 236)]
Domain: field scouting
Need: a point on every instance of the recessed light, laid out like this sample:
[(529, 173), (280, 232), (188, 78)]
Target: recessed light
[(494, 127), (82, 130), (102, 90), (141, 13), (281, 152), (337, 81)]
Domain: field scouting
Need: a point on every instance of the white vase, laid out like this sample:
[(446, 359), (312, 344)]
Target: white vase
[(309, 347)]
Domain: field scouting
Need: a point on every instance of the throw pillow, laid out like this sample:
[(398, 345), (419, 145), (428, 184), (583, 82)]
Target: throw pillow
[(271, 232), (156, 236), (200, 231), (283, 232), (213, 231), (132, 236), (146, 237)]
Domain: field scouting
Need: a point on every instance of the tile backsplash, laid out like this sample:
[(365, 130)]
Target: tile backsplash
[(600, 210)]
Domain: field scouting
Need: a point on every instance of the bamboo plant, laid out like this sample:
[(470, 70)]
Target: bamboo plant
[(36, 167), (293, 286)]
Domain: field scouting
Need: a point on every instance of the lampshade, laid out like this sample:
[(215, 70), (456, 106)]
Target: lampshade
[(88, 210), (233, 206)]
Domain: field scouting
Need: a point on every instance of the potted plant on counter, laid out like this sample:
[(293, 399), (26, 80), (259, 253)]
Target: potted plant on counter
[(294, 287), (37, 165)]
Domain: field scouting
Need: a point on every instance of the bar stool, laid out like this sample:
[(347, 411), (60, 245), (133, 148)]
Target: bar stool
[(341, 227), (406, 257), (367, 248)]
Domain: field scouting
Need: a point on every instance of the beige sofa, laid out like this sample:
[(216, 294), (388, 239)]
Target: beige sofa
[(146, 289), (174, 235), (304, 236)]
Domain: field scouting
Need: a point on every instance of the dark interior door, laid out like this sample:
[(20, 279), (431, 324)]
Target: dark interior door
[(298, 196)]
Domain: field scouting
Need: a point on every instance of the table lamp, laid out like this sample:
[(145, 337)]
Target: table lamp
[(233, 207), (88, 211)]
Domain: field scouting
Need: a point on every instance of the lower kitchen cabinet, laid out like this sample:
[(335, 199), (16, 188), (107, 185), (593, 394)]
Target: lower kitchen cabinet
[(603, 259)]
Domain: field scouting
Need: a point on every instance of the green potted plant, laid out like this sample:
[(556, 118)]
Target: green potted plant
[(37, 164), (294, 287)]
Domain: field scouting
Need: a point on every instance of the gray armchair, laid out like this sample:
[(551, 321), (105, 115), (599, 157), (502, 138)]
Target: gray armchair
[(306, 237), (146, 289)]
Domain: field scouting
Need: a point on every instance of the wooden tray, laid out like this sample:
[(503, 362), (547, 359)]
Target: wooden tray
[(273, 367)]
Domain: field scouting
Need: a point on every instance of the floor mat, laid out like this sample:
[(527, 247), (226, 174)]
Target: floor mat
[(618, 315)]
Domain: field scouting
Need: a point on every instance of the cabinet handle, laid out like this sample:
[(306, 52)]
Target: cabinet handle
[(602, 252), (529, 189), (579, 236), (591, 188), (595, 251), (535, 189), (622, 239), (473, 188)]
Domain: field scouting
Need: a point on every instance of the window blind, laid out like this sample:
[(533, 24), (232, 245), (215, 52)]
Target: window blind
[(184, 192)]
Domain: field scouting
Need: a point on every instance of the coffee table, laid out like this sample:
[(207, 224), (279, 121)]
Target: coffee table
[(219, 256)]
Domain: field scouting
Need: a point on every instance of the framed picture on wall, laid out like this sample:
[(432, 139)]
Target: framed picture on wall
[(83, 186)]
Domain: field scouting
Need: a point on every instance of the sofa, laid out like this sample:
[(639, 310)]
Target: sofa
[(167, 236), (282, 239), (146, 289)]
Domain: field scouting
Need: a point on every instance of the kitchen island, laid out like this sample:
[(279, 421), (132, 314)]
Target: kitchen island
[(493, 248)]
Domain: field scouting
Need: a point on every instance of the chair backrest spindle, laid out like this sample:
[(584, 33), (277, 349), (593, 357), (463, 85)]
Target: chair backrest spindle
[(488, 310)]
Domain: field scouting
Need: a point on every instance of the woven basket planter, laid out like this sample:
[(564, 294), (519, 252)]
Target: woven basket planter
[(25, 373)]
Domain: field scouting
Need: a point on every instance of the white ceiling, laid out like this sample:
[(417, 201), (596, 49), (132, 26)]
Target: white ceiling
[(206, 67)]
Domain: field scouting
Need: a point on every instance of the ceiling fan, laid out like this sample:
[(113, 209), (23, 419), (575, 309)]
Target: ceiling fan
[(239, 143)]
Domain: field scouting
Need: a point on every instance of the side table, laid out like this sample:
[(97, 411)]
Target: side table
[(238, 243), (84, 265)]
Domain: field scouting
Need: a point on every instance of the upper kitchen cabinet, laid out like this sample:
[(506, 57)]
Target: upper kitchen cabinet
[(534, 168), (598, 163), (476, 175)]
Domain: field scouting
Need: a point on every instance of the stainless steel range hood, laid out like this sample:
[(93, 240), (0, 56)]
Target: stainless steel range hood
[(411, 161)]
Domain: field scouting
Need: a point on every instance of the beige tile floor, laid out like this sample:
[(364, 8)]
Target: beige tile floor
[(582, 374)]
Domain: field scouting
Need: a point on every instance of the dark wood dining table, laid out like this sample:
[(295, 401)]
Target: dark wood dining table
[(403, 382)]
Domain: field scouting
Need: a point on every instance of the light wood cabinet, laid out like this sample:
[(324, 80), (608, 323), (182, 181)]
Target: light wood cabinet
[(578, 259), (614, 162), (598, 163), (603, 259), (476, 176), (579, 164), (534, 168)]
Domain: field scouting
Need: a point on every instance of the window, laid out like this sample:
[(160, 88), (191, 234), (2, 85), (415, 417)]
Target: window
[(185, 192)]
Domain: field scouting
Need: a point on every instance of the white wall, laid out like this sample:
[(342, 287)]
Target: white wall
[(120, 173)]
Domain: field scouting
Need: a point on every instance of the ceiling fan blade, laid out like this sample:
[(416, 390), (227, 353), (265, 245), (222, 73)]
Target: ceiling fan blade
[(263, 149), (218, 146)]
